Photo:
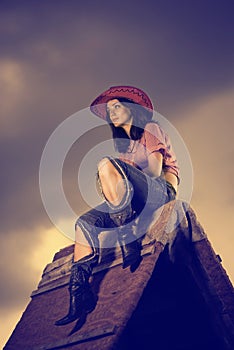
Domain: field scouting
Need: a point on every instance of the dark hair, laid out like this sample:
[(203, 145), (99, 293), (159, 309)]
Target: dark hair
[(141, 116)]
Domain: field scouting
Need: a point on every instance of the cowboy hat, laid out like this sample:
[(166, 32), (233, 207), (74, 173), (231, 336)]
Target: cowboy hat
[(133, 94)]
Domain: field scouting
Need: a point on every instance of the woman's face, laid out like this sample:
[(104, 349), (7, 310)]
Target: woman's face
[(120, 115)]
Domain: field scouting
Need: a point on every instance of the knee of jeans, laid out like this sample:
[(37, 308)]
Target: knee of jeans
[(103, 164), (107, 167)]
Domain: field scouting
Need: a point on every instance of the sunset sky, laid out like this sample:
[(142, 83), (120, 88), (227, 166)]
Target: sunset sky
[(55, 58)]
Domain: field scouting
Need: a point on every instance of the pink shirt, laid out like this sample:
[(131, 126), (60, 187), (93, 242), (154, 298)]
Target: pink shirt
[(154, 139)]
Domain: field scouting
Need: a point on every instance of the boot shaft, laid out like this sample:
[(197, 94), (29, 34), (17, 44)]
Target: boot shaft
[(82, 269)]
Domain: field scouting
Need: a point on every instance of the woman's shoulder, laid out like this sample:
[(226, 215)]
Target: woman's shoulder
[(154, 128)]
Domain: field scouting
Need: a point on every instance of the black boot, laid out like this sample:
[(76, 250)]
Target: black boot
[(130, 248), (81, 296)]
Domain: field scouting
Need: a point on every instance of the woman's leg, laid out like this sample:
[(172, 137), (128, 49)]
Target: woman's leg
[(117, 191), (112, 183), (82, 247), (82, 299), (127, 190), (148, 193)]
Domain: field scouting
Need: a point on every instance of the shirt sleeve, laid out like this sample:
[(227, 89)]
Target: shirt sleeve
[(154, 140)]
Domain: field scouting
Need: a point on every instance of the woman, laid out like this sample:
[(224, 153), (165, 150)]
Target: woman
[(142, 179)]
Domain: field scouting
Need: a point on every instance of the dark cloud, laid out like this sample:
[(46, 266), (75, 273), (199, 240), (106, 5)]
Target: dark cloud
[(175, 51)]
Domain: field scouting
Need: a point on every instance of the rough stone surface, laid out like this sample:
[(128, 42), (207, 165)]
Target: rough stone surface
[(180, 282)]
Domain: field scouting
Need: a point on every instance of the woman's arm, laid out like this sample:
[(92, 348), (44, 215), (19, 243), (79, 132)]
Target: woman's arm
[(155, 161)]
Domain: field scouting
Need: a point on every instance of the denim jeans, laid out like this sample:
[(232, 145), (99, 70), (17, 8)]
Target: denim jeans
[(145, 194)]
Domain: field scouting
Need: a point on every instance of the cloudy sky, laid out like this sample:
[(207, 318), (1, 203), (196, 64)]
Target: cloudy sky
[(55, 58)]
